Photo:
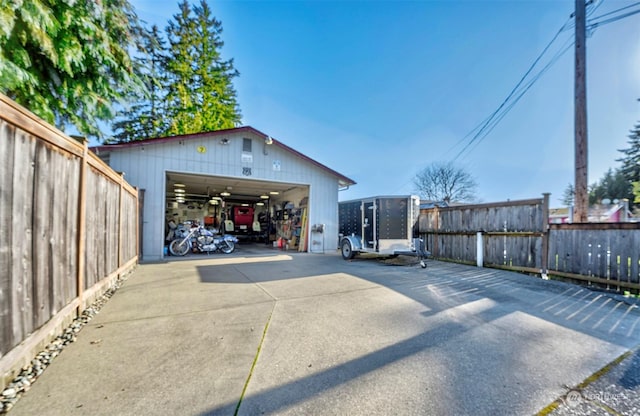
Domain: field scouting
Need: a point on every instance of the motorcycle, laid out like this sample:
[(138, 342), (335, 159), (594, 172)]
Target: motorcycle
[(199, 239)]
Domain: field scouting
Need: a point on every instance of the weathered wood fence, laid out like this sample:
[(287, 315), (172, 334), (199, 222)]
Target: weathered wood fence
[(602, 253), (68, 229), (516, 235)]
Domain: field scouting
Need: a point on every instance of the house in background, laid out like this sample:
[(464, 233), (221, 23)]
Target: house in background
[(616, 212), (429, 204)]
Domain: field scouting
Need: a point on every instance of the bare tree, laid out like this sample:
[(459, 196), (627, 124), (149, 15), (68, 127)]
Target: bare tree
[(445, 182)]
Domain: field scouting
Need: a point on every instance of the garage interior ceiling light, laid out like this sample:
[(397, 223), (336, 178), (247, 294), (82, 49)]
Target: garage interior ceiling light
[(274, 193), (225, 193), (264, 196), (179, 191), (213, 202), (260, 204), (179, 185)]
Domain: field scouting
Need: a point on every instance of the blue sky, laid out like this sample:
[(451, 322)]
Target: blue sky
[(377, 90)]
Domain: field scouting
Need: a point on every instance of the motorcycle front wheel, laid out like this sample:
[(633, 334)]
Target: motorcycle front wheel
[(227, 247), (179, 247)]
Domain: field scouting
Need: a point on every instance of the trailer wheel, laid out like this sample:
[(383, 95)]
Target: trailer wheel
[(347, 251)]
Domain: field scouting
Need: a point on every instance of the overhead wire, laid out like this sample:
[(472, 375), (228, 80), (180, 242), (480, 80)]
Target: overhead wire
[(524, 90), (503, 109), (617, 10), (593, 25), (592, 6), (513, 91)]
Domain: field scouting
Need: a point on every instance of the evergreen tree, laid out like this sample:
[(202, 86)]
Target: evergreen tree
[(612, 186), (631, 160), (200, 93), (68, 61), (144, 117), (568, 196)]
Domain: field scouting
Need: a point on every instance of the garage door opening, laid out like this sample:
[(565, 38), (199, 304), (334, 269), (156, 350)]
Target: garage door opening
[(256, 212)]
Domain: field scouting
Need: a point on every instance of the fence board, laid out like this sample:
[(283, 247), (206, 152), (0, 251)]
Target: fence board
[(128, 228), (22, 235), (7, 143), (634, 271), (43, 235), (113, 208), (69, 286)]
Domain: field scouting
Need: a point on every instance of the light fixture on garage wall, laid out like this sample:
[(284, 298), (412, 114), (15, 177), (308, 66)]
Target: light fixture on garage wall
[(267, 142), (224, 141)]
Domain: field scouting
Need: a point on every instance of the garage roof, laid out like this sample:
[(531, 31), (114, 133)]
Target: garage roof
[(343, 180)]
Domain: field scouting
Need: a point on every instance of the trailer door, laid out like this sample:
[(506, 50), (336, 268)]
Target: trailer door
[(368, 224)]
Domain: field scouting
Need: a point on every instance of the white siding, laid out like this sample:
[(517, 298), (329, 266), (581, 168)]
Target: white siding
[(146, 167)]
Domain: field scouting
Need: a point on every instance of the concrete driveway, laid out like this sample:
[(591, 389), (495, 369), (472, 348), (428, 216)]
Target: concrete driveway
[(270, 332)]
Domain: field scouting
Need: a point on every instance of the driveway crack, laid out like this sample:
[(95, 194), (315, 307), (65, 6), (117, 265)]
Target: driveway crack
[(255, 360)]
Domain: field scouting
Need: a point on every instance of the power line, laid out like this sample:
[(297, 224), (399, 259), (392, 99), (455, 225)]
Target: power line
[(593, 10), (590, 11), (616, 11), (528, 86), (513, 91), (459, 142), (593, 25), (491, 122)]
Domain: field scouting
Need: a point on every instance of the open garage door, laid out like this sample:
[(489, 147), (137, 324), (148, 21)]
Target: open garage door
[(255, 211)]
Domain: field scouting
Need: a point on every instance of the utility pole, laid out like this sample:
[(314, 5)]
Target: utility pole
[(580, 126)]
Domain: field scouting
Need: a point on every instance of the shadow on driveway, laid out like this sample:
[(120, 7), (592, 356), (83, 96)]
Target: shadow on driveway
[(483, 341)]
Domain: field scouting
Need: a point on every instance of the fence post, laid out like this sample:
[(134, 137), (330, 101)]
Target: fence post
[(436, 227), (82, 220), (479, 249), (545, 235), (139, 229), (120, 232)]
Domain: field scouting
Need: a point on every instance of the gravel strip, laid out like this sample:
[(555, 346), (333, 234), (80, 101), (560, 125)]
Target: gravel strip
[(29, 374)]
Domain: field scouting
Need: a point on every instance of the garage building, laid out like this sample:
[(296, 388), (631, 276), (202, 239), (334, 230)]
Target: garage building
[(239, 180)]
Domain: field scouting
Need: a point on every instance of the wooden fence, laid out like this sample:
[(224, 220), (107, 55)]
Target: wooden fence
[(516, 235), (603, 253), (68, 229)]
